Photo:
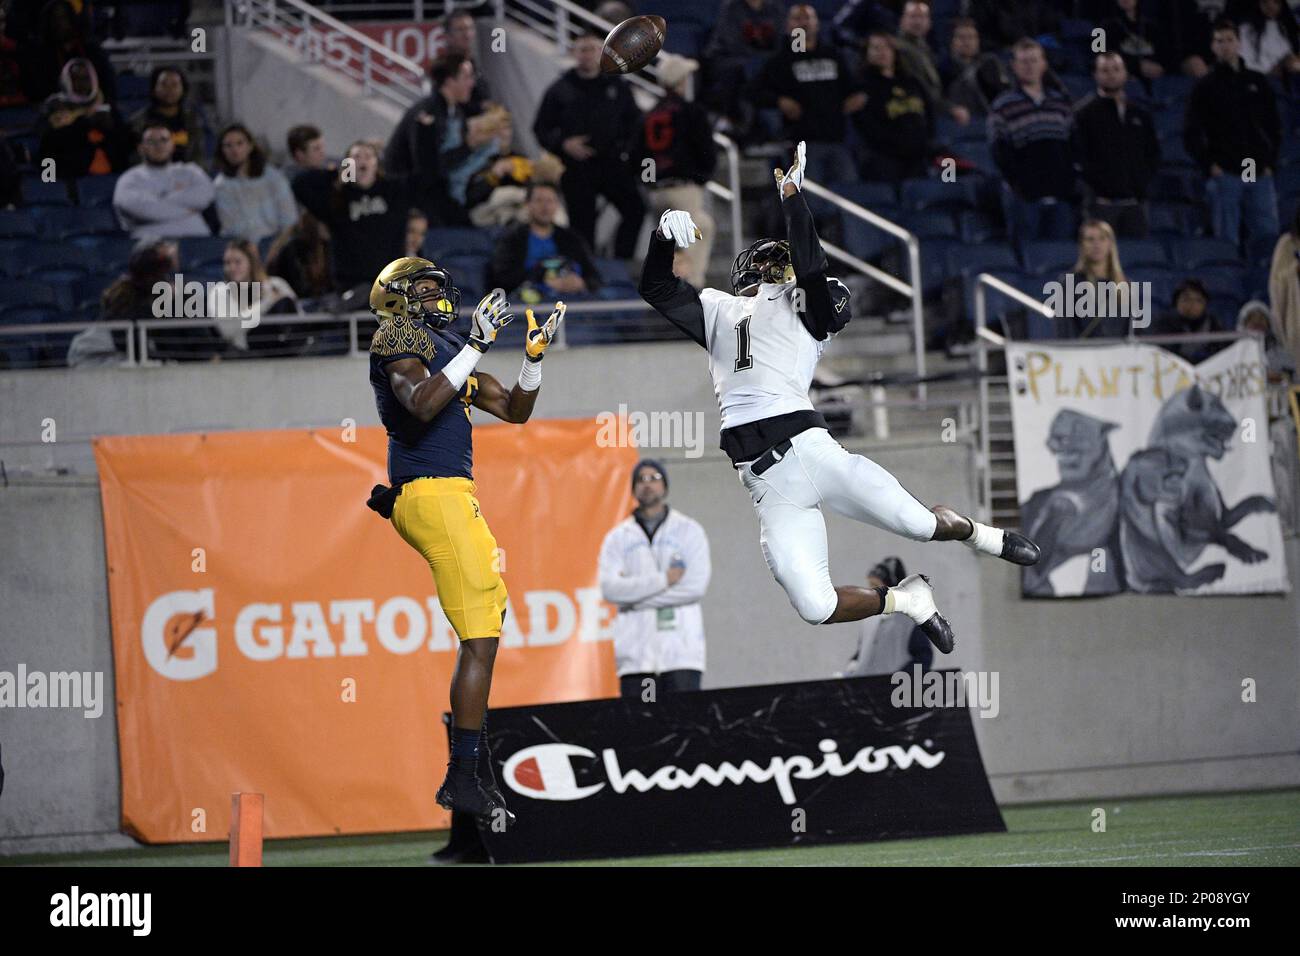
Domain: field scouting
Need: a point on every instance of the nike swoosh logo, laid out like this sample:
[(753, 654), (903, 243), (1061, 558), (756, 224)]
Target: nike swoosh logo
[(839, 307)]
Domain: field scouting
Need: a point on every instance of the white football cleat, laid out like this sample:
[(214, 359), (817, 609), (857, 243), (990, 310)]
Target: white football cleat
[(918, 604)]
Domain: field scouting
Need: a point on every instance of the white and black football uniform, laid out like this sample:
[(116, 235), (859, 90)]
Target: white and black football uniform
[(762, 352)]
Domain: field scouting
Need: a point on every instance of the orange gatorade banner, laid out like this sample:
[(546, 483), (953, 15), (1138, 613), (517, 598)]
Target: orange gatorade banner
[(273, 635)]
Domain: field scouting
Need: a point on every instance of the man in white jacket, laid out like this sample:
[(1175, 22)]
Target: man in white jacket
[(160, 199), (654, 566)]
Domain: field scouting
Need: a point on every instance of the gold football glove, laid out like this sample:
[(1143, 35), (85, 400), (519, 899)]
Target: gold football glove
[(540, 337)]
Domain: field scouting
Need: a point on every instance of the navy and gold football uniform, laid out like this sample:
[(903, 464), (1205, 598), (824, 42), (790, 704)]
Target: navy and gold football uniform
[(431, 466)]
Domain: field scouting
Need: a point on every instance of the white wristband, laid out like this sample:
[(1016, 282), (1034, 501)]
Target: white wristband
[(530, 376), (459, 368)]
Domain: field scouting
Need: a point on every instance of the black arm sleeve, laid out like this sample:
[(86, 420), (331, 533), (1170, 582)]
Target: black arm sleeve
[(311, 187), (674, 299), (818, 314)]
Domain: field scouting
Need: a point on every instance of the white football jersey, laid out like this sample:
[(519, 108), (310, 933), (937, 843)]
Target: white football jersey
[(761, 357)]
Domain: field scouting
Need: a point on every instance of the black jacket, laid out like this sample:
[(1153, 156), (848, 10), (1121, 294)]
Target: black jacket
[(896, 121), (418, 146), (601, 108), (1116, 158), (506, 270), (1231, 116), (818, 80), (679, 138)]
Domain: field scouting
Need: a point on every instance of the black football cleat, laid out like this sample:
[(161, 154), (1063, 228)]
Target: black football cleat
[(1018, 549), (925, 614), (464, 794)]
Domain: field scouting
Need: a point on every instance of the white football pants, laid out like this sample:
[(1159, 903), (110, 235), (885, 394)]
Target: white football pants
[(816, 471)]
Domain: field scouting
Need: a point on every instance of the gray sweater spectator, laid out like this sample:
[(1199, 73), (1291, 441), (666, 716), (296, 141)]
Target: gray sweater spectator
[(254, 200), (161, 198)]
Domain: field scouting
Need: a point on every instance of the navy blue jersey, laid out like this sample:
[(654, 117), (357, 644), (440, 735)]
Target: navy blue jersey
[(444, 447)]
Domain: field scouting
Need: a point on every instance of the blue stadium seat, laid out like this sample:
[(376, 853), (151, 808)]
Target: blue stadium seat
[(1173, 154), (458, 241), (865, 240), (198, 251), (935, 256), (615, 270), (132, 85), (931, 224), (937, 194), (89, 289), (28, 315), (1142, 252), (62, 223), (37, 192), (105, 253), (18, 117), (96, 191), (687, 39), (26, 292), (1192, 254), (469, 274), (981, 258), (1174, 220), (17, 224), (39, 255), (1174, 88), (1223, 280), (1162, 283), (980, 155), (977, 227), (1180, 185), (1049, 256)]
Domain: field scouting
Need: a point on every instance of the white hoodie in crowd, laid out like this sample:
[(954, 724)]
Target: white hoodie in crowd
[(659, 627), (163, 202)]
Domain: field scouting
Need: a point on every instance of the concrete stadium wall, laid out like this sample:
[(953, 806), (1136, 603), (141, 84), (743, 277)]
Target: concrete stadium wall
[(1109, 697)]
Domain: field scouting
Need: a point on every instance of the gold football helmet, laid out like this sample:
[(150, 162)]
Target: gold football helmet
[(394, 294)]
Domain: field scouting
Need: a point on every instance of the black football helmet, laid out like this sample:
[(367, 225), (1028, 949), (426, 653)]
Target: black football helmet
[(767, 260)]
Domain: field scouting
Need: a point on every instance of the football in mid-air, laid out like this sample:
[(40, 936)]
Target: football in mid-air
[(632, 44)]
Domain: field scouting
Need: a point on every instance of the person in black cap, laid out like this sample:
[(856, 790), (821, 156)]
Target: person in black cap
[(892, 642), (654, 567), (1190, 313)]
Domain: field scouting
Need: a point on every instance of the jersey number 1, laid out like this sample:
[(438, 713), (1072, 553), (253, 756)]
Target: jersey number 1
[(744, 360)]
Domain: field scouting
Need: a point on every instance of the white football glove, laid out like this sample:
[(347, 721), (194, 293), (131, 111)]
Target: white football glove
[(795, 173), (490, 317), (679, 227)]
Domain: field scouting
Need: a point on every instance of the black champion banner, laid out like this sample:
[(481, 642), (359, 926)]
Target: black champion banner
[(781, 764)]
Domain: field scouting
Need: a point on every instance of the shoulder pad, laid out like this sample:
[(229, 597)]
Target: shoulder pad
[(400, 336)]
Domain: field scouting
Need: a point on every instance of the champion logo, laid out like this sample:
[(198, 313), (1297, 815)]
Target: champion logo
[(546, 771)]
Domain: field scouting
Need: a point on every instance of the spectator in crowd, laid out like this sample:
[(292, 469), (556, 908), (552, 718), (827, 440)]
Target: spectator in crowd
[(809, 82), (84, 135), (1280, 369), (11, 68), (1270, 39), (1003, 23), (365, 209), (1190, 314), (496, 194), (679, 140), (456, 147), (545, 260), (745, 30), (253, 198), (301, 256), (1141, 41), (417, 230), (1116, 149), (1191, 23), (614, 11), (1099, 264), (857, 19), (590, 121), (895, 125), (970, 78), (1233, 131), (1029, 129), (461, 34), (162, 197), (654, 567), (58, 35), (306, 147), (128, 298), (168, 89), (1284, 287), (917, 60), (888, 643), (232, 303)]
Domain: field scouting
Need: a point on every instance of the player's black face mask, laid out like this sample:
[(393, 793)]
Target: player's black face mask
[(767, 260), (437, 307)]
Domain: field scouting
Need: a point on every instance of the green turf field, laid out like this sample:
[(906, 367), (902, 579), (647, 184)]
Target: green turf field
[(1250, 829)]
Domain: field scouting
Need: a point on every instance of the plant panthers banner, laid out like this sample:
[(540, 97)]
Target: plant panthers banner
[(1138, 471), (272, 634)]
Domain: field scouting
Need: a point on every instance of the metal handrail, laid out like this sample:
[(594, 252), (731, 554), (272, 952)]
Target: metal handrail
[(137, 332), (913, 289), (375, 59)]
